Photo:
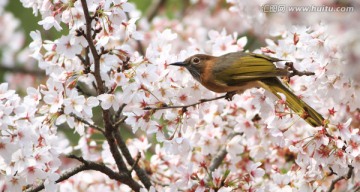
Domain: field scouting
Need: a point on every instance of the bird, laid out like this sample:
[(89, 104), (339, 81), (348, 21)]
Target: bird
[(235, 72)]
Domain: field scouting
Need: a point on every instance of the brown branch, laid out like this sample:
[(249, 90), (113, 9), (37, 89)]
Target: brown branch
[(63, 177), (110, 132), (115, 151), (220, 156), (101, 89), (83, 61), (120, 110), (140, 47), (92, 47), (85, 90), (154, 9), (125, 151), (184, 107), (138, 157), (23, 70), (357, 189), (217, 160), (294, 72), (122, 177), (346, 177), (150, 14), (116, 124), (89, 165), (88, 123), (87, 58)]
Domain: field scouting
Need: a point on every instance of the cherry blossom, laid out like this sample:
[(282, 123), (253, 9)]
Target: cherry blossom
[(143, 125)]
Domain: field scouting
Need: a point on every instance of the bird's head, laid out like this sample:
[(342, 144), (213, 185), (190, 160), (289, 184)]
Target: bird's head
[(196, 64)]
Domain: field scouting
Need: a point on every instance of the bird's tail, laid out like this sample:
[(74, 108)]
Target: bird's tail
[(311, 116)]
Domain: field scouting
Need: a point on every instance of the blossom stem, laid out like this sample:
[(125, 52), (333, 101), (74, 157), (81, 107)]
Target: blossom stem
[(220, 156), (126, 153), (89, 165), (185, 106), (109, 128), (88, 123), (22, 70), (92, 47), (136, 162), (346, 177)]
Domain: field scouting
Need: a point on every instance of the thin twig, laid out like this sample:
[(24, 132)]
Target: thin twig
[(17, 69), (186, 106), (150, 14), (83, 61), (101, 89), (154, 9), (120, 121), (92, 47), (220, 156), (120, 110), (63, 177), (140, 48), (136, 162), (88, 123), (124, 177), (89, 165), (294, 72), (110, 131), (125, 151), (217, 160), (85, 89), (346, 177), (357, 189), (87, 58)]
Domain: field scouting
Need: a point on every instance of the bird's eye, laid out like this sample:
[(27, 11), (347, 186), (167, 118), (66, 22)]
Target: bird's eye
[(195, 60)]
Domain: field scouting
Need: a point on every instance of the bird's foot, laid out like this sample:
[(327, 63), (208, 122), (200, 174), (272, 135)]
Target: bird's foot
[(289, 66), (230, 95)]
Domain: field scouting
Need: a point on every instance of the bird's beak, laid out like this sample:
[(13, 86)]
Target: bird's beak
[(181, 64)]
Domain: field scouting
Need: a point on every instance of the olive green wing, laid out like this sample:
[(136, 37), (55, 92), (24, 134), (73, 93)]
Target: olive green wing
[(237, 68), (272, 59)]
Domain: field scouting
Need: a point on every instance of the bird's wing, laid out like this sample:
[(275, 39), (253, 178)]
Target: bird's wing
[(245, 67), (272, 59)]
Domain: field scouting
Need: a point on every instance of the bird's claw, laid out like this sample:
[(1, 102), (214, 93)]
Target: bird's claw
[(230, 95), (289, 66)]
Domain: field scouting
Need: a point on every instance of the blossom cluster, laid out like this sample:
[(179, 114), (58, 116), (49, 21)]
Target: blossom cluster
[(252, 143)]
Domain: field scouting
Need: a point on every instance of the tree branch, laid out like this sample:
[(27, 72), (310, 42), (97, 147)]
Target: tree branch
[(138, 157), (294, 72), (184, 107), (217, 160), (346, 177), (154, 9), (116, 124), (89, 165), (125, 151), (120, 110), (220, 156), (63, 177), (122, 177), (92, 47), (101, 89), (17, 69), (88, 123)]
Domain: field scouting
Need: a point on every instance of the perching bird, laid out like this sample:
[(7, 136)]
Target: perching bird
[(238, 71)]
